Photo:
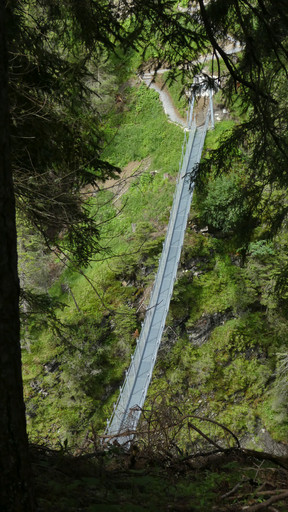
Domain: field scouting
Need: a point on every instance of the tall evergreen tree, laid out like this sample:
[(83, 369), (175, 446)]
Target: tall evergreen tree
[(48, 138), (256, 78), (15, 488), (54, 51)]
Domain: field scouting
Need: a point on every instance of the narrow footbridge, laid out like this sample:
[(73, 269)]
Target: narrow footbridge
[(127, 409)]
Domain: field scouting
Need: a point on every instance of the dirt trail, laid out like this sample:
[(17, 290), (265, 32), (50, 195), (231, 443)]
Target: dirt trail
[(170, 110), (166, 100)]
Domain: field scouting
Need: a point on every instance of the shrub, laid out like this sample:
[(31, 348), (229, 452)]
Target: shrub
[(225, 208)]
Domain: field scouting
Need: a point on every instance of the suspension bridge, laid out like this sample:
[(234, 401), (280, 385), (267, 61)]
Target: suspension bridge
[(127, 409)]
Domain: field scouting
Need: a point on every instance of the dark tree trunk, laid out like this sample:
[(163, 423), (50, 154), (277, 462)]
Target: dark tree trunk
[(15, 490)]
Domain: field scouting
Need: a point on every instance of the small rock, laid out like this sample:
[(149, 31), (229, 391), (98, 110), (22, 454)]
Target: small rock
[(207, 323), (51, 366)]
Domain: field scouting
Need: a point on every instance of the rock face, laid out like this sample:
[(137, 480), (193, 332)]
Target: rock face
[(262, 440), (202, 330)]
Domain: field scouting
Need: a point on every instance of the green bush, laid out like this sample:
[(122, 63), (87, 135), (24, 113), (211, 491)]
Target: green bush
[(225, 208)]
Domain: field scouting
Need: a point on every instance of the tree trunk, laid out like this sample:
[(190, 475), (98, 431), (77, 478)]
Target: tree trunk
[(15, 489)]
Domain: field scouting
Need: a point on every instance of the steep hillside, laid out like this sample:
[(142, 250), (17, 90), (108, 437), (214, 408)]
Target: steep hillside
[(73, 368), (222, 356)]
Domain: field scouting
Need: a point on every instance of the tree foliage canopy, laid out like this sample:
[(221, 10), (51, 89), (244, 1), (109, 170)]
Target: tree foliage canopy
[(255, 77), (54, 49)]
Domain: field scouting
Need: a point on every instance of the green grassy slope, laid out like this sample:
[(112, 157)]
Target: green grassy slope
[(72, 379), (219, 355)]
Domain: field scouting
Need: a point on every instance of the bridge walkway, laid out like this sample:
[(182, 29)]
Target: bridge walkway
[(132, 395)]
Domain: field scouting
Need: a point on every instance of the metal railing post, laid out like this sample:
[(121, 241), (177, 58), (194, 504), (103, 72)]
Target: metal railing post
[(211, 108)]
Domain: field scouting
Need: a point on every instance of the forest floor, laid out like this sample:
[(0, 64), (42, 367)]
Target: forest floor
[(135, 481)]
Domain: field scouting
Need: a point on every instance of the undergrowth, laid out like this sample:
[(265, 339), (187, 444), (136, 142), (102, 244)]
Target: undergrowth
[(133, 481)]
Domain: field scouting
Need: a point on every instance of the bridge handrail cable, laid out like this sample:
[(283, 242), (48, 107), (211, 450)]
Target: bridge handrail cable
[(115, 423)]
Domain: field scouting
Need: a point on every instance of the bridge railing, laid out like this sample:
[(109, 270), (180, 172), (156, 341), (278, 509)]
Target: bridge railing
[(118, 420)]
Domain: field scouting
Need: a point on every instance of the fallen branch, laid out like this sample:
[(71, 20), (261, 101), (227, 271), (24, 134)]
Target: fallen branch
[(265, 504)]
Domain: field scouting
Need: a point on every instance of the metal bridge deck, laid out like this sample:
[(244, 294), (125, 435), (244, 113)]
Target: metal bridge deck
[(127, 410)]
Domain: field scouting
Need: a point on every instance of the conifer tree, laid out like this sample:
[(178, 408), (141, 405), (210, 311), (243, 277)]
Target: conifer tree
[(54, 50), (255, 77), (48, 139), (15, 488)]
